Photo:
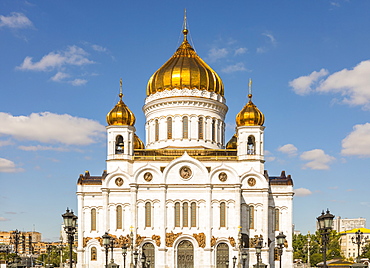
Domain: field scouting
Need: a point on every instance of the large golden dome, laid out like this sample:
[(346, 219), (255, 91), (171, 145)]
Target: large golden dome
[(185, 69), (250, 115), (120, 115)]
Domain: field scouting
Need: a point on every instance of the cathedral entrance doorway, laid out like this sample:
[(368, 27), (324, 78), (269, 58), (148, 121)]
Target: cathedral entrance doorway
[(185, 255), (149, 253), (222, 255)]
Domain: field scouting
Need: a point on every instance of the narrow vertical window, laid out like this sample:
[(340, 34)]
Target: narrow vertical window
[(169, 128), (277, 219), (177, 214), (93, 219), (93, 254), (251, 217), (185, 127), (200, 129), (119, 217), (185, 217), (193, 212), (156, 134), (213, 130), (223, 214), (251, 145), (119, 145), (148, 214)]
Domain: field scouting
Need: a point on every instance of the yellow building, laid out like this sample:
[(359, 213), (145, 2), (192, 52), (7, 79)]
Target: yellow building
[(348, 241)]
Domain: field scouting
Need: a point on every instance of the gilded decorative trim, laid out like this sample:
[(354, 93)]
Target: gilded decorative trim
[(170, 238), (157, 240), (201, 239), (232, 241), (213, 241)]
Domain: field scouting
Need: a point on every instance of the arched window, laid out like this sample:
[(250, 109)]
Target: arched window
[(185, 127), (193, 212), (277, 219), (213, 130), (119, 145), (156, 134), (169, 128), (93, 254), (119, 217), (222, 255), (251, 145), (148, 214), (185, 213), (223, 214), (93, 219), (251, 217), (177, 214), (200, 128)]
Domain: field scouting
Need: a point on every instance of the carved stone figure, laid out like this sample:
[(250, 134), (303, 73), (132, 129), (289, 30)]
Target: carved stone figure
[(157, 240), (201, 239), (170, 238)]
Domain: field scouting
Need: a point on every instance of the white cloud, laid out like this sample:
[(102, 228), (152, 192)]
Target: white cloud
[(8, 166), (15, 20), (72, 56), (217, 53), (240, 51), (98, 48), (78, 82), (317, 159), (59, 76), (358, 141), (353, 84), (261, 50), (270, 37), (269, 156), (289, 149), (2, 218), (51, 128), (6, 143), (42, 148), (238, 67), (303, 85), (302, 192)]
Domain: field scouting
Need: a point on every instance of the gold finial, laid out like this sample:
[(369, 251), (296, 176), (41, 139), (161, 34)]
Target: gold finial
[(250, 89), (120, 89), (185, 29)]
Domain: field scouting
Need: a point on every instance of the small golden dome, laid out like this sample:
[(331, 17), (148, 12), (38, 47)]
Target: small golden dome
[(250, 115), (120, 115), (232, 143), (185, 69), (138, 144)]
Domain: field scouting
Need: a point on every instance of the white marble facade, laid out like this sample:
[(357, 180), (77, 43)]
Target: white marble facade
[(184, 195)]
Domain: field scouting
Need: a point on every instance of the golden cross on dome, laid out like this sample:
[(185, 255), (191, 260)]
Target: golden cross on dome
[(250, 89), (184, 26), (120, 88)]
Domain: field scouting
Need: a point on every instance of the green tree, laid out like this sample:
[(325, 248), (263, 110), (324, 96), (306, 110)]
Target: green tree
[(300, 246), (366, 251)]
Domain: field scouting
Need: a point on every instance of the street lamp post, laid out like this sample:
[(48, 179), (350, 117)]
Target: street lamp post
[(234, 261), (106, 242), (308, 249), (325, 222), (280, 239), (136, 256), (227, 263), (124, 253), (244, 258), (357, 239), (70, 223)]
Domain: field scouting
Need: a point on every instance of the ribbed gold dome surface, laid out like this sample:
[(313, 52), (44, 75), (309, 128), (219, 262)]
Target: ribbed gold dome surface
[(185, 69), (120, 115), (138, 144), (232, 143), (250, 115)]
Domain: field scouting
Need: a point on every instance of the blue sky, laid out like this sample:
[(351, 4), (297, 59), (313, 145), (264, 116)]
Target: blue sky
[(61, 62)]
